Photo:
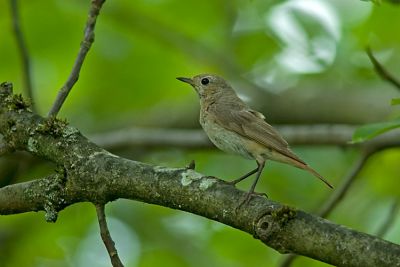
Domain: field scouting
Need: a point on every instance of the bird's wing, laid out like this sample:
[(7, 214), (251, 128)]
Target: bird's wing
[(250, 124)]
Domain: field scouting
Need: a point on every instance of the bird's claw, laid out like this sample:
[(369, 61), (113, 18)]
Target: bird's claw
[(260, 194), (248, 197), (234, 182)]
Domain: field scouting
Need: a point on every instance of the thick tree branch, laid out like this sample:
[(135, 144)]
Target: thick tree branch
[(87, 42), (89, 173), (106, 237), (282, 228), (23, 51)]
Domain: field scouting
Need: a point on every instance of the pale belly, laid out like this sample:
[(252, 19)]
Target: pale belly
[(227, 141), (234, 143)]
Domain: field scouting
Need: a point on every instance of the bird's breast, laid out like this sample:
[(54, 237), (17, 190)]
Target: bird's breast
[(224, 139)]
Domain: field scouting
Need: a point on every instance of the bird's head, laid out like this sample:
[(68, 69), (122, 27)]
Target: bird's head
[(207, 85)]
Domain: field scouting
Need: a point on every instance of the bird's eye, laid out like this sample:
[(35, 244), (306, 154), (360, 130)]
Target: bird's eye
[(204, 81)]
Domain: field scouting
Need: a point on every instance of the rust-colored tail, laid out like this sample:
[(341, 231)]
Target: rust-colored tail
[(292, 159), (316, 174)]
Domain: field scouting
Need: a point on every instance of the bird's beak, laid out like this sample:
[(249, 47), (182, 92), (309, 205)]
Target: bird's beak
[(185, 80)]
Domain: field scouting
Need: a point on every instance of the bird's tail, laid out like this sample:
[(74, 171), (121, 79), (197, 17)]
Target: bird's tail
[(293, 160), (316, 174), (302, 165)]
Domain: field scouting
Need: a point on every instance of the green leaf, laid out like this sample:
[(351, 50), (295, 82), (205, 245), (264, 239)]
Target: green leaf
[(378, 2), (395, 101), (369, 131)]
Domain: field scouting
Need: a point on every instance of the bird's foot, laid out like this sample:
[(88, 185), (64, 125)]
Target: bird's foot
[(245, 201), (248, 197), (260, 194), (234, 182)]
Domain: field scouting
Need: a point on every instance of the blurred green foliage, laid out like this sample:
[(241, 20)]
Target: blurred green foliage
[(369, 131), (395, 101), (128, 79)]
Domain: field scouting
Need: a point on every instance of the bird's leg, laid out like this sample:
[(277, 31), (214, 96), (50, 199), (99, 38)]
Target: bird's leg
[(253, 186), (259, 171), (234, 182)]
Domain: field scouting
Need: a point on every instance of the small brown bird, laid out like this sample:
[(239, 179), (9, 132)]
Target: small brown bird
[(235, 128)]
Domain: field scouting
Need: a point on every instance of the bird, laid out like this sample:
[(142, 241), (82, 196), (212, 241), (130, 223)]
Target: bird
[(234, 127)]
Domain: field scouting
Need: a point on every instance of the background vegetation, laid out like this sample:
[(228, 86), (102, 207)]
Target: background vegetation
[(301, 62)]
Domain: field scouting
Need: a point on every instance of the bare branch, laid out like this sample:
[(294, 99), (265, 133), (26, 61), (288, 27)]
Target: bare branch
[(283, 228), (344, 187), (382, 72), (151, 138), (320, 134), (84, 49), (23, 51), (106, 237)]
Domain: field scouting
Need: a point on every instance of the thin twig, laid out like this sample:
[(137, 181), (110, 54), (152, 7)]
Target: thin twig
[(385, 75), (87, 42), (337, 195), (388, 222), (105, 235), (23, 51), (344, 187)]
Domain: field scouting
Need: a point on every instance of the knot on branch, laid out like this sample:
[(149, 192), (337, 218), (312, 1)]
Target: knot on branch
[(52, 126), (271, 223), (284, 214), (265, 227)]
